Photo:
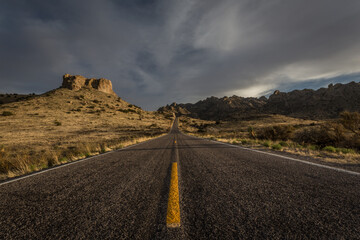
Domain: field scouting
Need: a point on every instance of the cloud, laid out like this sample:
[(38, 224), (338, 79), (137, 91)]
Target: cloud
[(157, 52)]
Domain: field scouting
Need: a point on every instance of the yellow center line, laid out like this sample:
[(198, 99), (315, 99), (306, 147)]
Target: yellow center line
[(173, 210)]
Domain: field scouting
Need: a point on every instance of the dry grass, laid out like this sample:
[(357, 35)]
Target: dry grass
[(246, 133), (64, 125)]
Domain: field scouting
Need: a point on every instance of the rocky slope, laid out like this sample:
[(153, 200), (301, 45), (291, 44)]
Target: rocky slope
[(309, 104)]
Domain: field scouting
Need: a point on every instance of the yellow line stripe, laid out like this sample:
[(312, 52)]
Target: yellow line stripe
[(173, 210)]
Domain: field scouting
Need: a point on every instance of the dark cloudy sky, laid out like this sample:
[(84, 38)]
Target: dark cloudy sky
[(158, 52)]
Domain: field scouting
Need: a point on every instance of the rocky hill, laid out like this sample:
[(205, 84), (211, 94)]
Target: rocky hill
[(72, 82), (308, 104), (214, 108), (79, 119)]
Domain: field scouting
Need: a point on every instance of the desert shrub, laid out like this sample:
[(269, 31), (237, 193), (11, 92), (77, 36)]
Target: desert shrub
[(266, 144), (52, 160), (5, 164), (251, 132), (79, 150), (351, 121), (345, 150), (331, 134), (7, 113), (283, 144), (244, 141), (276, 147), (329, 149), (234, 142), (312, 147), (201, 130), (102, 148), (57, 123), (127, 110), (96, 101), (355, 141), (123, 110), (280, 132), (63, 159)]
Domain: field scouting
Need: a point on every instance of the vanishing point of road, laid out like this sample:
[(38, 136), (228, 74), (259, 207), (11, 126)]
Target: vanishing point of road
[(224, 192)]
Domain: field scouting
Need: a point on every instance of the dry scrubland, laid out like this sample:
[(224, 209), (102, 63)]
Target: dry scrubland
[(64, 125), (336, 141)]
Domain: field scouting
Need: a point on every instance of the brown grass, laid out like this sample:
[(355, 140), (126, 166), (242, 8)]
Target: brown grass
[(64, 125), (280, 133)]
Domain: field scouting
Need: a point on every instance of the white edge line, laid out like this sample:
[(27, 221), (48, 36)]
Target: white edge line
[(280, 156), (74, 162)]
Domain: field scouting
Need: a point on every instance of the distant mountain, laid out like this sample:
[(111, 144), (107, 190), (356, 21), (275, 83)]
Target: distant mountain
[(310, 104)]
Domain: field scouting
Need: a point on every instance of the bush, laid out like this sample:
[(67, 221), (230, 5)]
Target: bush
[(331, 134), (234, 142), (266, 144), (7, 113), (284, 144), (280, 132), (351, 121), (251, 132), (244, 141), (276, 147), (345, 150), (329, 149), (127, 110), (102, 148), (313, 147)]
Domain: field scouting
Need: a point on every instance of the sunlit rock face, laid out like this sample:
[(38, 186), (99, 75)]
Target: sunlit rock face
[(76, 82)]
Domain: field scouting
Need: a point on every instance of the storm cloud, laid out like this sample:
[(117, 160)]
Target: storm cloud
[(158, 52)]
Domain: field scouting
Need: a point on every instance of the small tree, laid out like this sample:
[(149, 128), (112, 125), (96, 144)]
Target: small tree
[(351, 121)]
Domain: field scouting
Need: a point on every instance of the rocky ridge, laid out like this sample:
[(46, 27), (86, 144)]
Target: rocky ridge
[(307, 103), (77, 82)]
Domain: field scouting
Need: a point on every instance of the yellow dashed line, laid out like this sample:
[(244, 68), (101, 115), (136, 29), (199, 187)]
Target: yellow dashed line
[(173, 210)]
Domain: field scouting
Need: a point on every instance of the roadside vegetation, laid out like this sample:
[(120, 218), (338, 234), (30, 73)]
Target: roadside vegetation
[(63, 125), (335, 141)]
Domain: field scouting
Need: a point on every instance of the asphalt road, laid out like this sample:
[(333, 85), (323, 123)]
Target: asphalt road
[(225, 193)]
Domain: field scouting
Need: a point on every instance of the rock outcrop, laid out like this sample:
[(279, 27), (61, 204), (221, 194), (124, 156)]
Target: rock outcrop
[(311, 104), (316, 104), (77, 82)]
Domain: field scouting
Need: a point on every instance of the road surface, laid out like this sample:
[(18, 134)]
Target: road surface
[(225, 193)]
